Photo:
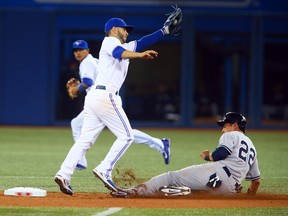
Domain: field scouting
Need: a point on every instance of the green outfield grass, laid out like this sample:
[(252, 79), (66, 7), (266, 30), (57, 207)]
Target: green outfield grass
[(30, 157), (144, 212)]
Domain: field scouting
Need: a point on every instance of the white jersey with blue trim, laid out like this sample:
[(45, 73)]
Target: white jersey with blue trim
[(112, 71), (242, 161), (89, 69)]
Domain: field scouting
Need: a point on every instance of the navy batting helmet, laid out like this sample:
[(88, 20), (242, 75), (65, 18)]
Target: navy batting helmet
[(233, 117)]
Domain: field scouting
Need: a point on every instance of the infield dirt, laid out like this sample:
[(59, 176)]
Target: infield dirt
[(93, 200)]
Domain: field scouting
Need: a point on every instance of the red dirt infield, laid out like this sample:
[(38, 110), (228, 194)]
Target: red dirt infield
[(94, 200)]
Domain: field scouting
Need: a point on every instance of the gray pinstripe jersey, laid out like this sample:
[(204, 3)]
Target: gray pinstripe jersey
[(242, 161)]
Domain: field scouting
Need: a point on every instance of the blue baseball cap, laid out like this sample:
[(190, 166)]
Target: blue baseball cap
[(80, 44), (117, 22)]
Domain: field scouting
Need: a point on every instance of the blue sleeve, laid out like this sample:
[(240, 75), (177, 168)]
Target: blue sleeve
[(149, 40), (220, 153), (88, 81), (117, 52)]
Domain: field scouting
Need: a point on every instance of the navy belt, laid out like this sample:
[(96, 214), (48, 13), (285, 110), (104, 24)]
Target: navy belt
[(104, 88), (227, 171)]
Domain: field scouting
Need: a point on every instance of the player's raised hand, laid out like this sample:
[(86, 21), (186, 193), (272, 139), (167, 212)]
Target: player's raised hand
[(149, 54)]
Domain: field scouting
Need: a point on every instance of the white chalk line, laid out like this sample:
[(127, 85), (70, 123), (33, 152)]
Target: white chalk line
[(108, 212)]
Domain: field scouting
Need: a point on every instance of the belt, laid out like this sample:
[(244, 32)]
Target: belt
[(227, 171), (104, 88)]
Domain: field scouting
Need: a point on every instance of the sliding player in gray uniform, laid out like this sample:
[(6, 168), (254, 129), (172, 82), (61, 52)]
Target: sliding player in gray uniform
[(88, 71), (103, 106), (234, 160)]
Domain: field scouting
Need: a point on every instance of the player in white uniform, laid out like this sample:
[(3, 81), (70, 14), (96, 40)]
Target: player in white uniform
[(234, 160), (103, 106), (88, 71)]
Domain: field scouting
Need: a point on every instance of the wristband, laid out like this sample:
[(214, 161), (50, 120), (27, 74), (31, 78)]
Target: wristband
[(81, 88), (165, 30), (207, 157)]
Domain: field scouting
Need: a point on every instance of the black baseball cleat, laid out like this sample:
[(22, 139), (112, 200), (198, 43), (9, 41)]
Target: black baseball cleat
[(124, 192), (118, 194)]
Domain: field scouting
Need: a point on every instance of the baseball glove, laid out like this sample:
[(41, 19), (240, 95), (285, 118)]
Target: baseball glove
[(172, 25), (72, 87)]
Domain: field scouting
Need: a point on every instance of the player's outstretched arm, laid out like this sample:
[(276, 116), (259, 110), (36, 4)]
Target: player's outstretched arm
[(148, 54)]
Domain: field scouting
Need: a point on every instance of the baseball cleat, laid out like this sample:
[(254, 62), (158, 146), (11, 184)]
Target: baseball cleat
[(174, 190), (107, 182), (64, 185), (118, 194), (80, 167), (124, 192), (166, 153), (82, 163)]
